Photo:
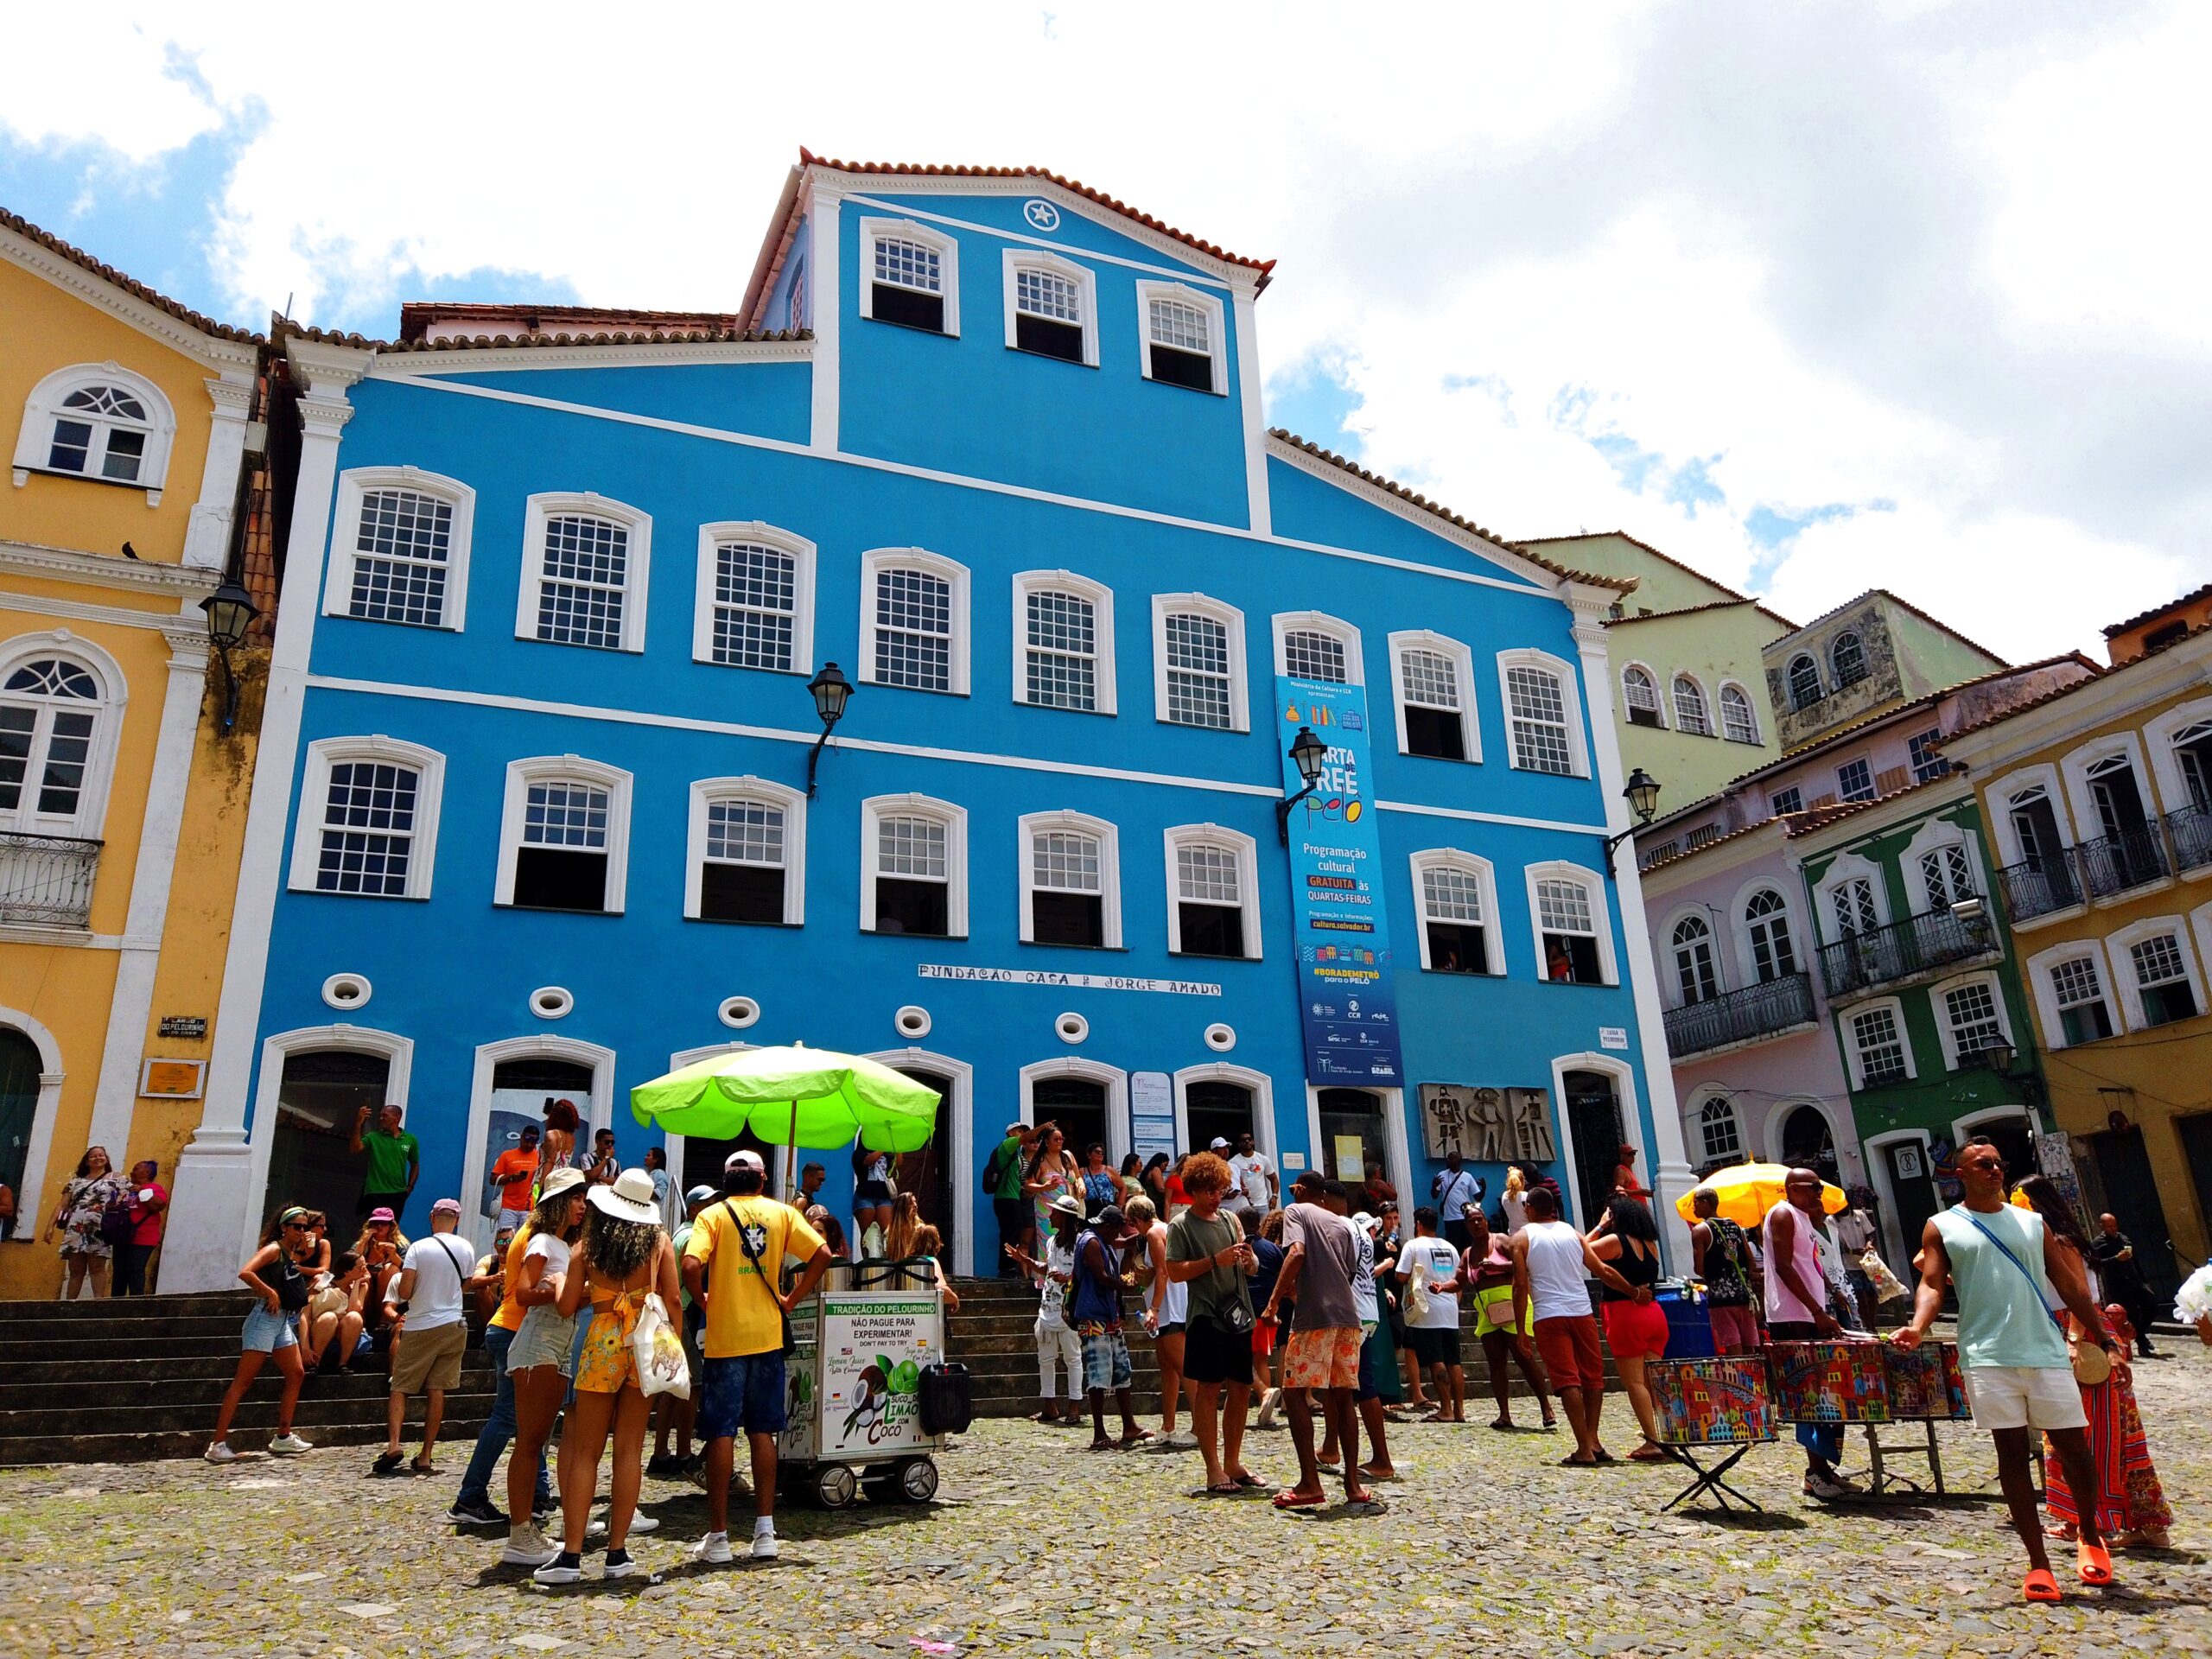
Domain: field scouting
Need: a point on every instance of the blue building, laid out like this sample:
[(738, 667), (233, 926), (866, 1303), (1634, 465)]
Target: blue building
[(532, 818)]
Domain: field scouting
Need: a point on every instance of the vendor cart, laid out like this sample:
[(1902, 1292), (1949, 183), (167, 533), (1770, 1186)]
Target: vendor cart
[(853, 1383)]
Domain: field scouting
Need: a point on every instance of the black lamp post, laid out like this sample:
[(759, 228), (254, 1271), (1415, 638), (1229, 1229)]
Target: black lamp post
[(1308, 752), (1643, 798), (230, 611), (829, 689), (1998, 1055)]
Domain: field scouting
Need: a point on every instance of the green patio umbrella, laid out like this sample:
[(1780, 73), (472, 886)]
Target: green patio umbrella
[(791, 1098)]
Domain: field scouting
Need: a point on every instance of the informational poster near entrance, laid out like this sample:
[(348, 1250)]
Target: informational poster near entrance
[(1349, 1005), (874, 1345), (1152, 1114)]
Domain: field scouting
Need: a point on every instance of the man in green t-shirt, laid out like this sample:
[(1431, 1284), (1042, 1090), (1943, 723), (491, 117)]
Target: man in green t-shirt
[(395, 1160), (1002, 1181)]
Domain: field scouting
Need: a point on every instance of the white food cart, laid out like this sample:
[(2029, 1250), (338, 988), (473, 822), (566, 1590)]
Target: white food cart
[(854, 1403)]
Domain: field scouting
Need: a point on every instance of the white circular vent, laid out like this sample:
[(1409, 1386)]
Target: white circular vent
[(550, 1002), (738, 1012), (1071, 1027), (345, 991), (1220, 1038), (911, 1022)]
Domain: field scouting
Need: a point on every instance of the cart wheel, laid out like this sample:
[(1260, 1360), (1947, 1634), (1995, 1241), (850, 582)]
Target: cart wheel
[(917, 1480), (835, 1486)]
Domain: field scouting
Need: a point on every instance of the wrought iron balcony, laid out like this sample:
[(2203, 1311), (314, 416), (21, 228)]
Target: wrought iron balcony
[(2039, 887), (2113, 864), (1916, 945), (46, 881), (1740, 1016), (2190, 833)]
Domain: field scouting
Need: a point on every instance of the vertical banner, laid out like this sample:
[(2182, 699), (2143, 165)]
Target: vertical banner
[(1345, 994)]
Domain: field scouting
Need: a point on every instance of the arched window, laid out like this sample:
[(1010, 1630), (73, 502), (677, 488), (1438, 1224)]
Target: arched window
[(1543, 716), (1063, 642), (747, 853), (97, 421), (910, 275), (1181, 330), (1690, 708), (754, 602), (914, 621), (1804, 681), (584, 569), (50, 739), (368, 821), (1435, 697), (1738, 722), (1573, 931), (1212, 892), (1847, 657), (1640, 695), (399, 552), (1050, 306), (1695, 976), (564, 835), (1766, 920), (1198, 653), (1718, 1133), (913, 867), (1071, 880), (1458, 899)]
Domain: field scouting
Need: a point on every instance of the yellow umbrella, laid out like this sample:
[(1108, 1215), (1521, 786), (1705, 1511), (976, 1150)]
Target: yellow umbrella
[(1747, 1191)]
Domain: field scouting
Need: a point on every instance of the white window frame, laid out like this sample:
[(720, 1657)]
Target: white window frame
[(1938, 1008), (1217, 327), (561, 768), (323, 754), (803, 561), (1674, 683), (1873, 780), (2000, 794), (1848, 866), (42, 408), (907, 230), (1033, 824), (1932, 837), (1694, 1124), (1804, 942), (2081, 798), (1463, 670), (2040, 968), (1578, 746), (1601, 916), (354, 486), (1286, 623), (537, 511), (1016, 260), (873, 810), (1485, 877), (1247, 853), (1231, 620), (954, 575), (790, 802), (1866, 664), (1716, 955), (91, 816), (1750, 707), (1658, 703), (2122, 947), (1101, 599), (1790, 684), (1851, 1040), (1774, 800), (2159, 737)]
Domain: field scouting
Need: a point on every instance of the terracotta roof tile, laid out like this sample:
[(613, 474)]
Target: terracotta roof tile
[(2152, 655), (1819, 817), (609, 337), (1682, 854), (1904, 605), (130, 285), (1113, 204), (1623, 583), (417, 316), (2157, 611), (1686, 610)]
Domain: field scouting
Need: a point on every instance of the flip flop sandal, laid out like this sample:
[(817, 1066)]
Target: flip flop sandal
[(1577, 1463), (1606, 1457), (2094, 1563), (1296, 1500), (1502, 1425), (2039, 1586), (1232, 1490), (1128, 1441), (1248, 1483), (1648, 1455), (1371, 1475), (1331, 1466)]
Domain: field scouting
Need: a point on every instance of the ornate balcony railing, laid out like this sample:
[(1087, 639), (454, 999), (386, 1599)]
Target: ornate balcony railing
[(1901, 950), (2113, 864), (2039, 887), (1740, 1016), (46, 881), (2190, 831)]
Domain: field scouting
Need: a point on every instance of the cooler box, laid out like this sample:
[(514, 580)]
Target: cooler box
[(1828, 1381), (1689, 1330)]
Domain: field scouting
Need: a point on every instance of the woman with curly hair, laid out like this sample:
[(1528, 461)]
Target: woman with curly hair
[(541, 1356), (623, 1257)]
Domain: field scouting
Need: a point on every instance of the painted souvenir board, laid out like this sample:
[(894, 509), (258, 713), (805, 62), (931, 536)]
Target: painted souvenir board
[(1711, 1401), (1926, 1383), (1828, 1381)]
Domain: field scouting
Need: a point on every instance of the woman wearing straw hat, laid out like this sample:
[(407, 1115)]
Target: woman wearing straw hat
[(623, 1257)]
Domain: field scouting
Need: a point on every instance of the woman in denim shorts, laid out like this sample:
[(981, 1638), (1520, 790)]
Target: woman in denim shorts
[(540, 1358), (270, 1329)]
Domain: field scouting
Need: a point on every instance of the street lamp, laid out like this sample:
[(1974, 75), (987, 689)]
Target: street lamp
[(230, 611), (1643, 798), (1308, 752), (829, 689)]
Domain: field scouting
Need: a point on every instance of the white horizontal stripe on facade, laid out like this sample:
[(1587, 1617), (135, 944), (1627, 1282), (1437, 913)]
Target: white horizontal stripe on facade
[(1065, 249), (1491, 818), (958, 480)]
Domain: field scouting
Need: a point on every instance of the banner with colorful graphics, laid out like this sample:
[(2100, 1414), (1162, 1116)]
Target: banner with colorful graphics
[(1350, 1008), (874, 1345)]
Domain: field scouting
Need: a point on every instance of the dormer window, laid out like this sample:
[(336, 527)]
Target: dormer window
[(1183, 337), (1051, 308), (1848, 658), (910, 276)]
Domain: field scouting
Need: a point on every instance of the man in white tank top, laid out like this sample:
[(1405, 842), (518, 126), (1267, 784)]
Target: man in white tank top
[(1797, 1298), (1549, 1260)]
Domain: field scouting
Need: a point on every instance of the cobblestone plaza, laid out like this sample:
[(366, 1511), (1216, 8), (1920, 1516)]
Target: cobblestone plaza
[(1482, 1548)]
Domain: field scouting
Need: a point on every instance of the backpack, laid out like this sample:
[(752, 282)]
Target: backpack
[(118, 1224), (995, 1169)]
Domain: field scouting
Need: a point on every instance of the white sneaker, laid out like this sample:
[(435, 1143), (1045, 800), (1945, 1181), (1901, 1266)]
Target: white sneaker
[(765, 1547), (714, 1549), (639, 1524), (558, 1571), (1181, 1440), (289, 1444), (220, 1452), (527, 1547), (1823, 1486)]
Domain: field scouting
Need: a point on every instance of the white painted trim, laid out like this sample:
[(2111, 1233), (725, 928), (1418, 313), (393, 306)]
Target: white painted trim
[(955, 820), (1570, 692), (1978, 1123), (2121, 944), (825, 256), (1031, 186), (2038, 968), (1801, 937), (1217, 333), (1872, 1153), (1778, 1119), (1397, 1156), (1086, 290), (1232, 622), (1116, 1083), (1750, 707), (354, 486), (1702, 1099), (1848, 866), (77, 610), (1594, 885), (802, 555), (1669, 939), (960, 1106), (910, 230), (1109, 837), (2000, 796), (104, 294), (1658, 702), (108, 714), (1820, 679), (74, 565), (1850, 1047), (323, 754), (551, 768), (1935, 835), (406, 366), (1100, 597), (1286, 623), (1259, 507), (1485, 875), (1263, 1107), (949, 571), (1469, 814), (1939, 1009), (35, 442), (1707, 725), (790, 802), (207, 531), (636, 586), (34, 1206), (2158, 735), (398, 1054), (1463, 678), (1246, 852), (601, 1115), (2076, 762), (1623, 1080)]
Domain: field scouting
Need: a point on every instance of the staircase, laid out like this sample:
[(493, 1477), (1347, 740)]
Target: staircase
[(126, 1379), (994, 1336)]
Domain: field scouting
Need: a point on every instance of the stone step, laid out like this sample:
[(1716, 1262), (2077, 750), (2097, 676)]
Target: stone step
[(85, 1393), (110, 1310), (454, 1439), (71, 1335), (259, 1407)]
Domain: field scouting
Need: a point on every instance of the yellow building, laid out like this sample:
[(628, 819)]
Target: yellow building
[(121, 803), (2099, 804)]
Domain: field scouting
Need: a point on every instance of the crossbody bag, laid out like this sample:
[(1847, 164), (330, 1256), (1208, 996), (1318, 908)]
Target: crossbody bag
[(2090, 1365), (745, 1244)]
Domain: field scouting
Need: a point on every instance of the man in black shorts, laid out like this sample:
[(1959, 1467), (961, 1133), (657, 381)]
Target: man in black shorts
[(1433, 1264), (1207, 1251)]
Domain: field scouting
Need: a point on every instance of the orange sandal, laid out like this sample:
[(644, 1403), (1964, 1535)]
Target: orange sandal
[(2094, 1563), (2040, 1585)]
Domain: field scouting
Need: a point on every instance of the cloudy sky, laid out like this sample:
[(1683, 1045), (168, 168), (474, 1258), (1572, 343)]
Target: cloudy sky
[(1817, 298)]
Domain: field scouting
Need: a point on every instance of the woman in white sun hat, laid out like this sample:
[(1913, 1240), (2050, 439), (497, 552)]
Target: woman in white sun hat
[(623, 1257)]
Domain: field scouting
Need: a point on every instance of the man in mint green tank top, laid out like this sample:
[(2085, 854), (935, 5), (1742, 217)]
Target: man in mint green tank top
[(2018, 1377)]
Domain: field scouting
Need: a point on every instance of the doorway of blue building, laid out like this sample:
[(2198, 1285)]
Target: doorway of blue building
[(1594, 1122), (311, 1162), (1078, 1106), (927, 1173), (1351, 1132), (1218, 1110)]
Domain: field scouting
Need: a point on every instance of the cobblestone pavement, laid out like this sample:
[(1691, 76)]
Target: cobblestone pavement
[(1484, 1547)]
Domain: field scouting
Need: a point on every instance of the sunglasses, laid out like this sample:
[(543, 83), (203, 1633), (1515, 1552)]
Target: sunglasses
[(295, 1226)]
